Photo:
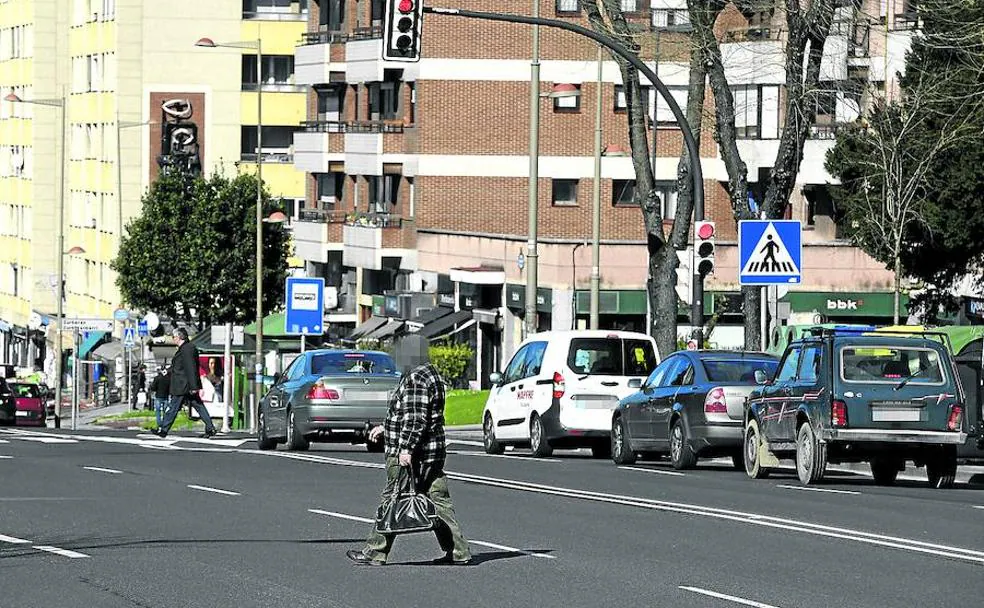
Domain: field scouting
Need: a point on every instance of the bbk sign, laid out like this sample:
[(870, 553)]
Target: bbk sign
[(844, 304)]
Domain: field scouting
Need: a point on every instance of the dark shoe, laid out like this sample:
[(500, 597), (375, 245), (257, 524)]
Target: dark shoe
[(362, 559), (448, 560), (160, 433), (207, 434)]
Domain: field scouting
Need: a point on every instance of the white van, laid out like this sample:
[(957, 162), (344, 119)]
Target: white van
[(560, 388)]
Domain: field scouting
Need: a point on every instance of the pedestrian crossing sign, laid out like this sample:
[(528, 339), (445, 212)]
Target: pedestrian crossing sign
[(128, 337), (770, 252)]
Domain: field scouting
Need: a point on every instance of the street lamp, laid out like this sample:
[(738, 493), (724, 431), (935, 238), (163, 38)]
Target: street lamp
[(60, 103), (254, 44), (76, 250)]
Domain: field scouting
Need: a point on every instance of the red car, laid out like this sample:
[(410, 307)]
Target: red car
[(31, 409)]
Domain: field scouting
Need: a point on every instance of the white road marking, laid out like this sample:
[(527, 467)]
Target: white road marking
[(723, 596), (62, 552), (213, 490), (366, 520), (657, 471), (48, 439), (4, 441), (809, 489), (102, 470), (2, 457), (979, 506), (465, 442), (13, 540), (483, 454)]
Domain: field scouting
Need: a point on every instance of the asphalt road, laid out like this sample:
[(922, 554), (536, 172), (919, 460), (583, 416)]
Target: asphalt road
[(114, 519)]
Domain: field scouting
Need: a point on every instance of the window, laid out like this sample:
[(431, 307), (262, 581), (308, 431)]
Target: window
[(630, 6), (534, 359), (623, 192), (737, 371), (277, 70), (810, 367), (611, 356), (756, 111), (568, 6), (666, 18), (568, 104), (108, 10), (514, 371), (384, 100), (384, 192), (682, 374), (891, 365), (278, 143), (564, 192), (352, 363), (788, 370), (331, 186), (639, 357)]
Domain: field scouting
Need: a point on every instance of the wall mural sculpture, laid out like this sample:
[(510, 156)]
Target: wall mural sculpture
[(179, 138)]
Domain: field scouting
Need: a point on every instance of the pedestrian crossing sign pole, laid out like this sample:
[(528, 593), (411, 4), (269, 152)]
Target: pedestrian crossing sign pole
[(770, 252)]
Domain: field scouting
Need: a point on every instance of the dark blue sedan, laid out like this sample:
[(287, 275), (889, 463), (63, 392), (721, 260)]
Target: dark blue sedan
[(690, 406)]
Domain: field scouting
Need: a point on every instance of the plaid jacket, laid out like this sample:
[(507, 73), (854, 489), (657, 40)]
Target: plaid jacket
[(415, 420)]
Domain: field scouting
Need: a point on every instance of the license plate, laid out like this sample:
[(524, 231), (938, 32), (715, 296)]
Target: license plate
[(895, 415), (23, 414), (369, 395)]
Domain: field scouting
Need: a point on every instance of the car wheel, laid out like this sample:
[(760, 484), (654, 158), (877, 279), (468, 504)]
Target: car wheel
[(621, 450), (753, 441), (681, 454), (492, 445), (538, 439), (295, 441), (941, 469), (885, 470), (263, 442), (811, 455), (738, 461)]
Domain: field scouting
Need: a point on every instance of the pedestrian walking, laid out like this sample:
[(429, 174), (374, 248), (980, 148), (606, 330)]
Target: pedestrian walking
[(413, 433), (161, 387), (185, 384)]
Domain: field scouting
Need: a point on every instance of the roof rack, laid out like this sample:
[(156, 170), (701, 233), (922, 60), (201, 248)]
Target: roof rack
[(824, 332)]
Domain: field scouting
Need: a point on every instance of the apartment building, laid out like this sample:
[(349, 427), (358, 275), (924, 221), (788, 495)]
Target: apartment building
[(112, 64), (417, 173)]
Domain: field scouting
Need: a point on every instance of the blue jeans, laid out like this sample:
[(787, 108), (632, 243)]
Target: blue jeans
[(160, 404), (175, 405)]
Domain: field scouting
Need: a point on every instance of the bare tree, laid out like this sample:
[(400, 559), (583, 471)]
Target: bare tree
[(886, 164), (606, 17)]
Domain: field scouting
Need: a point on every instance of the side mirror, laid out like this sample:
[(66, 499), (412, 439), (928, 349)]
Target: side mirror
[(495, 378), (761, 377)]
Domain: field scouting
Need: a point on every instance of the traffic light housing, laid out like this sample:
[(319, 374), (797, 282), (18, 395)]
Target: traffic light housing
[(704, 247), (401, 30)]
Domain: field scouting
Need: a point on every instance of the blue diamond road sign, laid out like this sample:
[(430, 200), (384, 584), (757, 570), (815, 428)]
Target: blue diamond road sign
[(770, 252), (305, 306)]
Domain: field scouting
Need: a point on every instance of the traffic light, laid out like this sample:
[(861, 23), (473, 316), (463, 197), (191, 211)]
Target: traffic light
[(704, 247), (401, 31)]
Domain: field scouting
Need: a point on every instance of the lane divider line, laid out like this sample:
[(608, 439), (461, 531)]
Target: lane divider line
[(508, 456), (213, 490), (723, 596), (102, 470), (63, 552), (656, 471), (366, 520), (465, 442), (3, 457), (13, 540), (979, 506), (809, 489)]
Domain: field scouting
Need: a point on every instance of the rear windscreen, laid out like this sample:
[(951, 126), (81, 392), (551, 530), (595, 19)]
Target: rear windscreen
[(891, 364), (25, 391), (611, 357), (328, 364), (738, 371)]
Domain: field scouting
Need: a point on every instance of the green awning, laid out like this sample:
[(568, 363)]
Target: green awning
[(274, 326)]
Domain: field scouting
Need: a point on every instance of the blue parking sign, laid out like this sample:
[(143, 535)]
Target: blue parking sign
[(770, 252), (305, 306)]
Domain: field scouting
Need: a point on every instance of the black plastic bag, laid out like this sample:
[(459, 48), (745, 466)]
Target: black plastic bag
[(407, 511)]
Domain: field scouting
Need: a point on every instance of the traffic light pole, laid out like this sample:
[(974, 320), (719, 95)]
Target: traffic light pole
[(693, 154)]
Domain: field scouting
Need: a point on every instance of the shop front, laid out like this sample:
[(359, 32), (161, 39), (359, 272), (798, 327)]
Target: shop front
[(875, 308)]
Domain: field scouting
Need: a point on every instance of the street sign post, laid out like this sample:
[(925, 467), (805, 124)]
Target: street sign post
[(770, 252), (305, 306), (86, 325)]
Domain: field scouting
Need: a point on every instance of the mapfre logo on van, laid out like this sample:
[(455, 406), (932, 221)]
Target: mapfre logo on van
[(527, 394)]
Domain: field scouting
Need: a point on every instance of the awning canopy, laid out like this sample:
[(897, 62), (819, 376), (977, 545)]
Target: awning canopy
[(430, 316), (109, 351), (441, 326), (369, 326), (386, 331)]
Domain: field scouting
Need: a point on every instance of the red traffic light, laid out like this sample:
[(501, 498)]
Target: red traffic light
[(405, 6), (705, 230)]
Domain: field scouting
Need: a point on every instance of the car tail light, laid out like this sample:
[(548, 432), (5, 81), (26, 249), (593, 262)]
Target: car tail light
[(715, 402), (954, 420), (559, 388), (320, 391), (838, 413)]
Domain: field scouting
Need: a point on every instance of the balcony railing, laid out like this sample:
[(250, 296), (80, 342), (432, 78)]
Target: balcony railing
[(324, 37), (268, 157), (366, 33), (751, 34), (335, 126), (374, 220), (829, 130), (322, 216)]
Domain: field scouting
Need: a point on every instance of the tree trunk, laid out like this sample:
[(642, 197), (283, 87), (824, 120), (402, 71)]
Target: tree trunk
[(751, 308), (898, 288)]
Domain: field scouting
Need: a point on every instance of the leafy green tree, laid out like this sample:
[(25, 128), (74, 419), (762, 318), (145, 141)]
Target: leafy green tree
[(191, 254), (912, 173), (451, 359)]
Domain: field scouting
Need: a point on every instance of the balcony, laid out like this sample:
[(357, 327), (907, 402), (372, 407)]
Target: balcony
[(316, 232), (319, 54), (353, 126), (368, 239)]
